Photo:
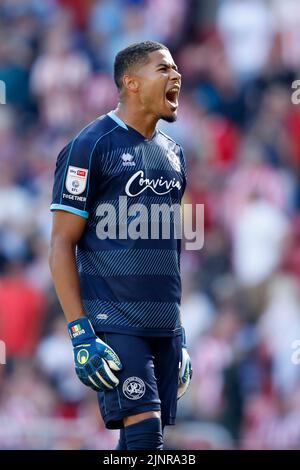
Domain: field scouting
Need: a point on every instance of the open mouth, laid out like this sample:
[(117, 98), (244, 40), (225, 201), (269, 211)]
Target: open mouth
[(172, 97)]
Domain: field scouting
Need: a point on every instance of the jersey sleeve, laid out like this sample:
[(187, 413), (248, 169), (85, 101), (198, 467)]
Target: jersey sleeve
[(75, 178)]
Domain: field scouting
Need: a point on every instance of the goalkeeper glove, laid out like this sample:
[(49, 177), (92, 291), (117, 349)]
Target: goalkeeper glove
[(94, 359), (185, 371)]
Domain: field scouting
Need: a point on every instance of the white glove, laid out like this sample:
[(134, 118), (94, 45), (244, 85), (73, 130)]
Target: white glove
[(185, 371)]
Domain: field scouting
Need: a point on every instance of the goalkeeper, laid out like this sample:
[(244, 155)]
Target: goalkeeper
[(121, 294)]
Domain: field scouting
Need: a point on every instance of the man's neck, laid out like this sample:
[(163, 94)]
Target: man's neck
[(143, 123)]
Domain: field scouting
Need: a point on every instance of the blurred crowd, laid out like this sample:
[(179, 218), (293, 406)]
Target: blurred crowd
[(241, 292)]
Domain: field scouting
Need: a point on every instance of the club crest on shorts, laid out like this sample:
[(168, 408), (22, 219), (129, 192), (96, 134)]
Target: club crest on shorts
[(134, 388), (76, 179)]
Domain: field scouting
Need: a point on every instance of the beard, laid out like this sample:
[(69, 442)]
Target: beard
[(170, 118)]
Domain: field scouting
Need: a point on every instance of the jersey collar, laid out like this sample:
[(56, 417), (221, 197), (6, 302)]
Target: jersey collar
[(122, 124), (115, 118)]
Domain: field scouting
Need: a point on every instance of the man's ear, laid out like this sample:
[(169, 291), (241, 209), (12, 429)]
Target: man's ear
[(130, 83)]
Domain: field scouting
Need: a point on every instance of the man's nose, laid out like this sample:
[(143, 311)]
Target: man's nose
[(175, 75)]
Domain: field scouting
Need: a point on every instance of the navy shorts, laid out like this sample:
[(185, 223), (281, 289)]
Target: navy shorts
[(148, 380)]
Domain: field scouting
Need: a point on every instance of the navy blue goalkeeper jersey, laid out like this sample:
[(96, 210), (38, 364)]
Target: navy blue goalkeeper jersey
[(129, 268)]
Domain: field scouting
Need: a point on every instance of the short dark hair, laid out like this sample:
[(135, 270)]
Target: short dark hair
[(135, 54)]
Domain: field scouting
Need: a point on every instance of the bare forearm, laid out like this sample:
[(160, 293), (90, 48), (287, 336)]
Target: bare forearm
[(65, 277)]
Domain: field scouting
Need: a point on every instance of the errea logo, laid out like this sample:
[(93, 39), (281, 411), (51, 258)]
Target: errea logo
[(127, 159)]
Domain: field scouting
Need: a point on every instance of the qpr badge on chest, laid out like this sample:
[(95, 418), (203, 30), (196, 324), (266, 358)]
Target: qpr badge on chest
[(76, 179)]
